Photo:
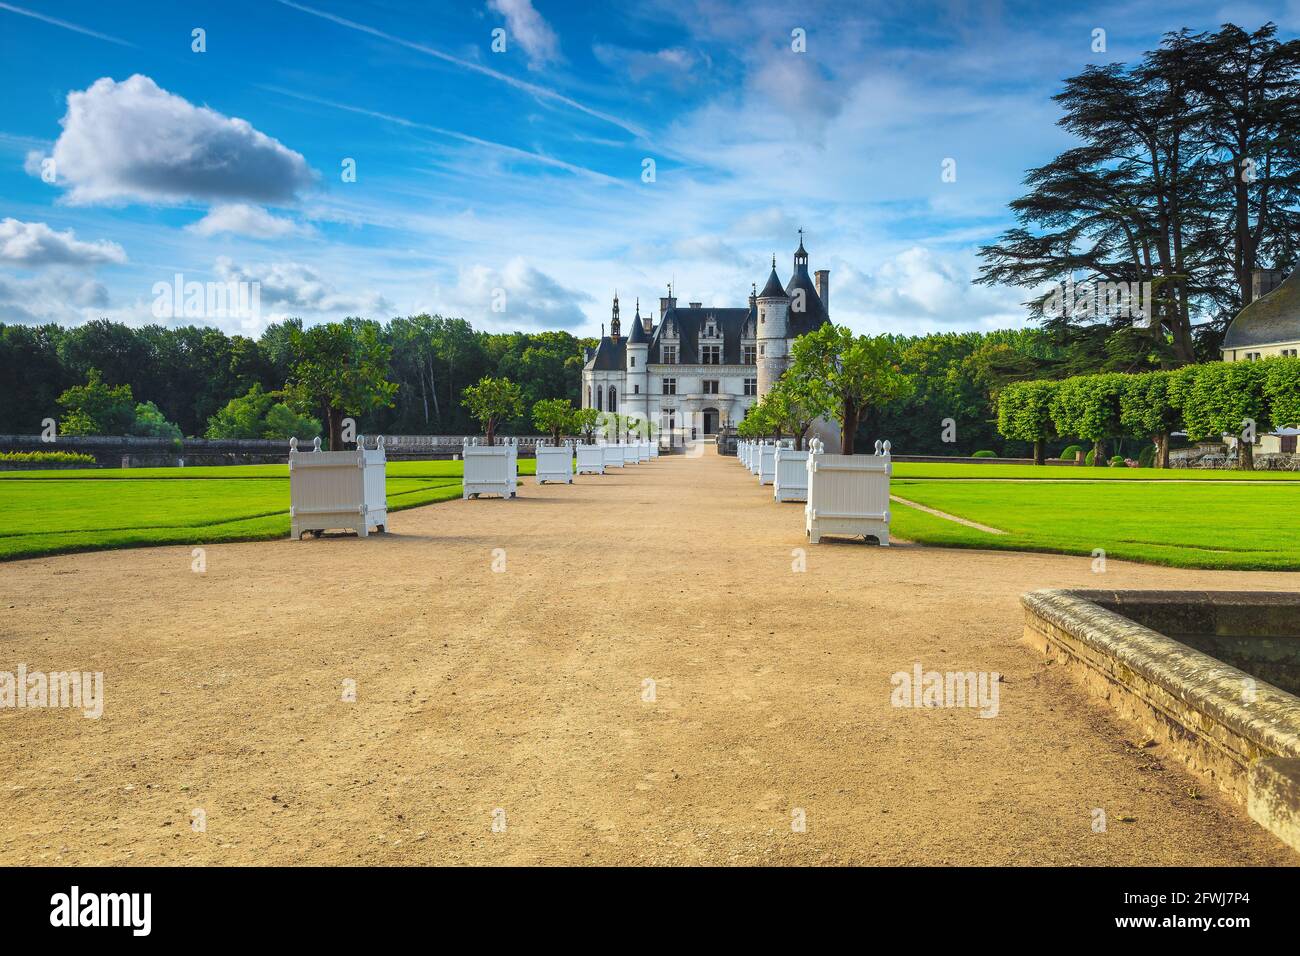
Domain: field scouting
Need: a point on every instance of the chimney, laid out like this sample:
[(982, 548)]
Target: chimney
[(666, 303), (1264, 281), (822, 283), (697, 305)]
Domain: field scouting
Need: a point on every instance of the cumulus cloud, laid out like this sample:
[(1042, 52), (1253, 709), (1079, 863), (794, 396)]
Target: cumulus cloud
[(244, 219), (526, 27), (917, 290), (35, 244), (52, 297), (517, 294), (292, 288), (134, 141)]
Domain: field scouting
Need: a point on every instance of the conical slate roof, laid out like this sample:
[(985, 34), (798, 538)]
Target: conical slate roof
[(773, 289), (1270, 319), (638, 336)]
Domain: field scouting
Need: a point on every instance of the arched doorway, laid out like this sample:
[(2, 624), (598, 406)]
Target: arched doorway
[(710, 416)]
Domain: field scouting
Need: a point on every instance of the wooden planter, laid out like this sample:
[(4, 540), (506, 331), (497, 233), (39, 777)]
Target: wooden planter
[(490, 469), (591, 459), (767, 463), (629, 453), (848, 494), (654, 448), (790, 475), (642, 451), (331, 490), (613, 455), (554, 463)]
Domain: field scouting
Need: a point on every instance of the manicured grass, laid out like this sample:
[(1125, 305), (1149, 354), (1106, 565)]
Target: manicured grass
[(907, 469), (52, 512), (1226, 524)]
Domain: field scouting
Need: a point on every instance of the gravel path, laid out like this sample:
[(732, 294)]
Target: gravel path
[(518, 696)]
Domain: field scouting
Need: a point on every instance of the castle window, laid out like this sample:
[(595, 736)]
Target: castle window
[(632, 360), (613, 399), (711, 354), (710, 386), (636, 389), (747, 355), (670, 354), (751, 386), (600, 396), (760, 350), (670, 386)]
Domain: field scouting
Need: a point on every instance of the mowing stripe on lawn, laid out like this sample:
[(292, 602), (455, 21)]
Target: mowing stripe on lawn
[(943, 514)]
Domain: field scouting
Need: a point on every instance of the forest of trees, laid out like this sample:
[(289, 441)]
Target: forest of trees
[(192, 374)]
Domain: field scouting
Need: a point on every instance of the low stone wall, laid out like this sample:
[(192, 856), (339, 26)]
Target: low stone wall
[(1233, 728)]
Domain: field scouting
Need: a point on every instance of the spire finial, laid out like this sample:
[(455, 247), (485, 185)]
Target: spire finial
[(774, 260)]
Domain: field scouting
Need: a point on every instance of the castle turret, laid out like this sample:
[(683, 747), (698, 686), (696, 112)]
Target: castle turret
[(636, 391), (773, 323)]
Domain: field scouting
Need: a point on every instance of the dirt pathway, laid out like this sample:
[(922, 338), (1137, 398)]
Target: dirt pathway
[(521, 691)]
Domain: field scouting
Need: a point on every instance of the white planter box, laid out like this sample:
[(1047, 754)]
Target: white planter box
[(790, 475), (767, 463), (629, 453), (642, 450), (337, 489), (554, 463), (743, 452), (654, 448), (613, 455), (848, 494), (591, 459), (490, 469)]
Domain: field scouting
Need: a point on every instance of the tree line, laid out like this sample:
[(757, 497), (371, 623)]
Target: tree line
[(404, 376), (1205, 401)]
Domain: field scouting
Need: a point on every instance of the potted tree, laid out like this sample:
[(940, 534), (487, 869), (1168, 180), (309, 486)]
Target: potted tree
[(840, 375), (491, 468), (554, 461), (789, 405)]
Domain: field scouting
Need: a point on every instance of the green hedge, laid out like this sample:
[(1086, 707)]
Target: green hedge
[(54, 457), (983, 453)]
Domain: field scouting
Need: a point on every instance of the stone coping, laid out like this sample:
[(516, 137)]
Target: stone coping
[(1270, 723)]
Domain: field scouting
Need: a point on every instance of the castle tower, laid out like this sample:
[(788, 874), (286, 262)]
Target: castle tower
[(773, 326), (637, 381), (613, 319)]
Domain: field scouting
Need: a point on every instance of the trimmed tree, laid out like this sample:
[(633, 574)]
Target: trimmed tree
[(585, 421), (339, 371), (1147, 407), (1226, 398), (1087, 406), (554, 416), (1024, 414), (841, 375), (790, 408), (492, 400), (1282, 391)]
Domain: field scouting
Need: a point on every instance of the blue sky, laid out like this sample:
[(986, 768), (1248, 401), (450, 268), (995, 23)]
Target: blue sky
[(515, 178)]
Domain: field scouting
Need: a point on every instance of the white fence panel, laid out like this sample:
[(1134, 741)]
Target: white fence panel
[(848, 494), (331, 490), (790, 475), (490, 469), (554, 463), (591, 459), (613, 455)]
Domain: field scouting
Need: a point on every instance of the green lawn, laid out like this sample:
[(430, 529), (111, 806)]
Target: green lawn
[(1215, 524), (908, 469), (51, 512)]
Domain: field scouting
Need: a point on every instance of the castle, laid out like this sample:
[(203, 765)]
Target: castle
[(699, 368)]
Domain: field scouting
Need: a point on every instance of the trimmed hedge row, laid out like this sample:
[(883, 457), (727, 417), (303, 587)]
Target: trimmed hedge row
[(1206, 401)]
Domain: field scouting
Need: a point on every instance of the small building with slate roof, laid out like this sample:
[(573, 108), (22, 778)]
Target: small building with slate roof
[(1269, 326), (700, 368)]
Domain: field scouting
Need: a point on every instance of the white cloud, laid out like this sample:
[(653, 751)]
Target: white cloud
[(53, 297), (676, 64), (292, 288), (134, 141), (528, 297), (36, 244), (244, 219), (529, 30)]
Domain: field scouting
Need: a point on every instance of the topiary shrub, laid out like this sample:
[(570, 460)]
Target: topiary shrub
[(1117, 461), (984, 453), (1089, 458), (1147, 457), (1070, 452)]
